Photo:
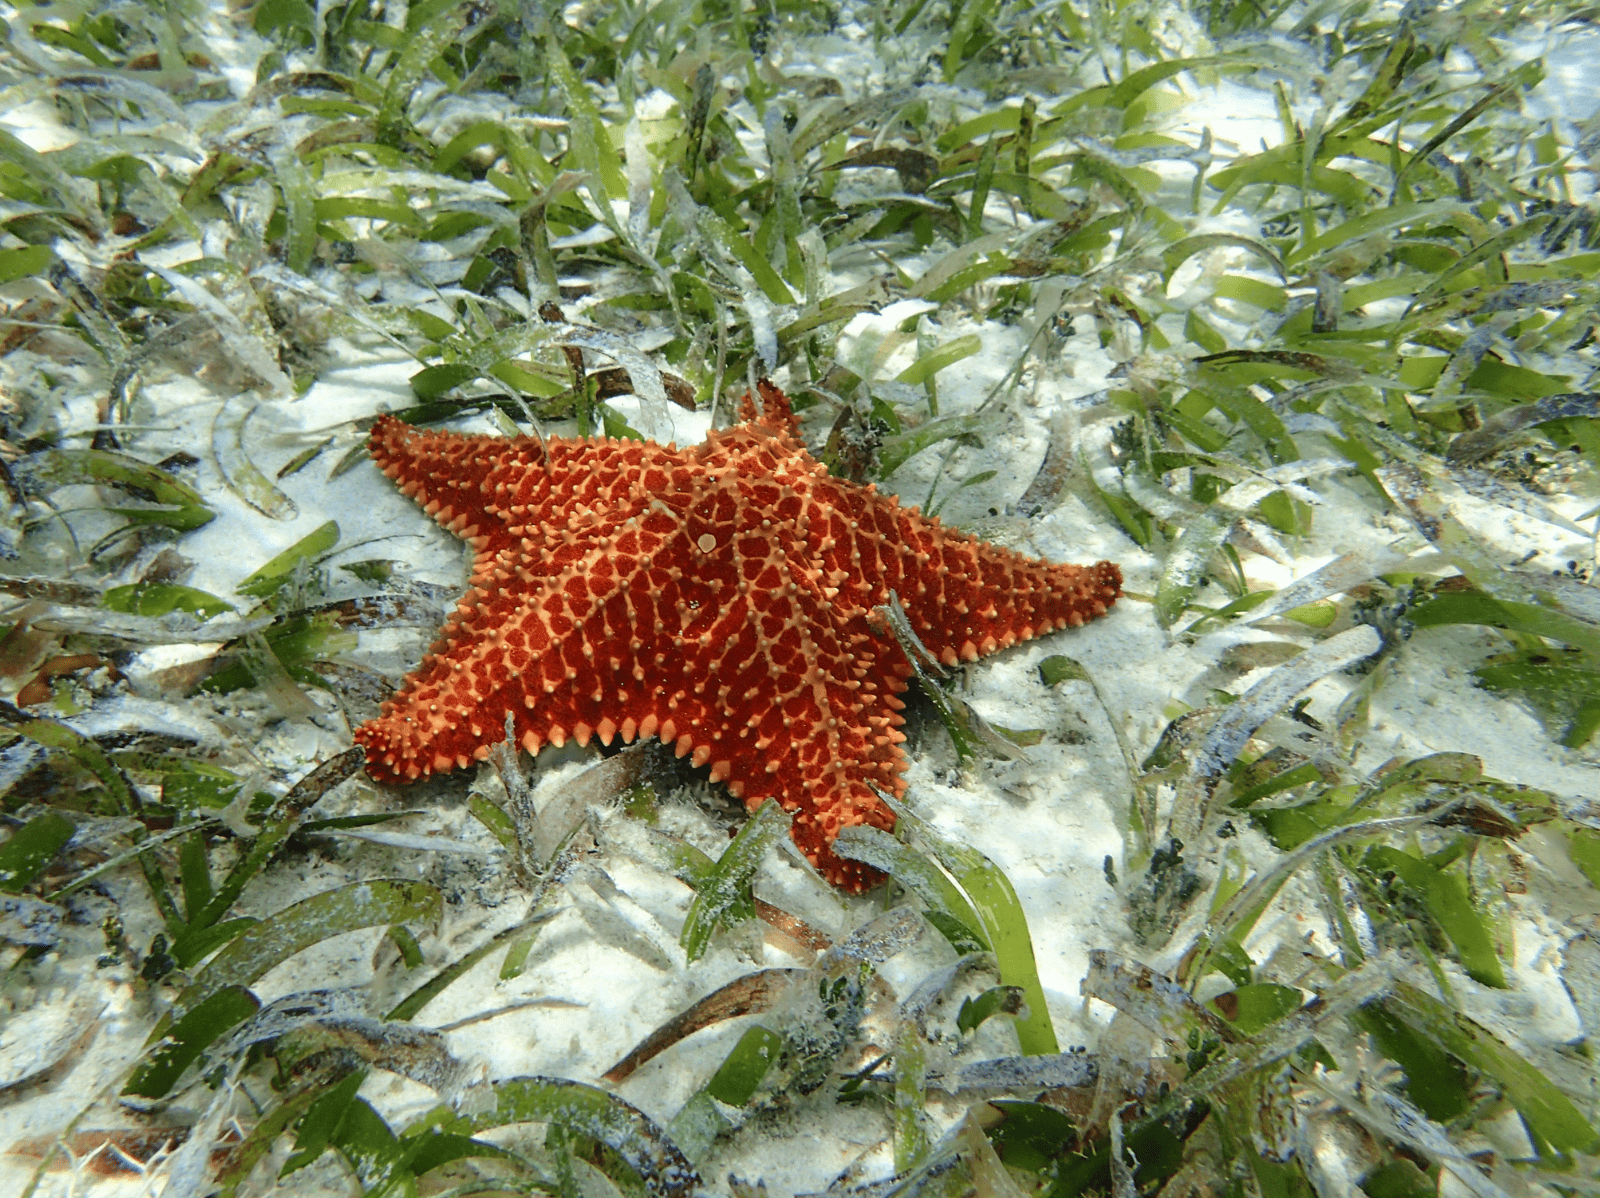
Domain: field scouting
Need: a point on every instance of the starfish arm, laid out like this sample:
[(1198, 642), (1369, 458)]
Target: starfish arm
[(449, 474), (756, 670), (965, 598), (992, 599), (774, 412), (805, 708), (451, 709), (499, 493)]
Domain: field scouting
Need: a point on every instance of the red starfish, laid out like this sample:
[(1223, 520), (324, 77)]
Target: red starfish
[(715, 596)]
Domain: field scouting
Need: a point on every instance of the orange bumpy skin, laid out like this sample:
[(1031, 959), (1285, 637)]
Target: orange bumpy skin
[(715, 596)]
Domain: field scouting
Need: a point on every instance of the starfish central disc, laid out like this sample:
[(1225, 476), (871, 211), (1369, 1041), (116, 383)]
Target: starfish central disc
[(716, 597)]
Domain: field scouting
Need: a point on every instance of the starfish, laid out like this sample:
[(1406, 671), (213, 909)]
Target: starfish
[(718, 597)]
